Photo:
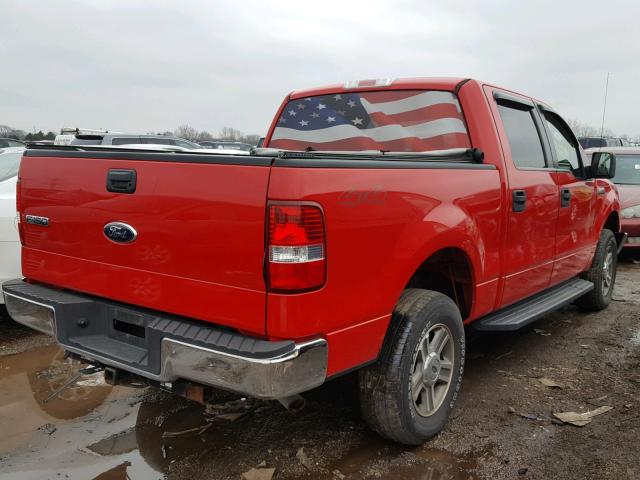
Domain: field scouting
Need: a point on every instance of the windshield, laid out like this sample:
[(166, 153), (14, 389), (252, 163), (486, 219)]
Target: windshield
[(9, 163), (391, 120), (627, 169)]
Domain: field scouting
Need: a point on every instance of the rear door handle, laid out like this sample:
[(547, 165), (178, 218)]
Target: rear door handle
[(121, 181), (565, 198), (519, 200)]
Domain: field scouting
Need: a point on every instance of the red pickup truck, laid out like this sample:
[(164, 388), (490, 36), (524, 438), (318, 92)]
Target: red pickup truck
[(382, 218)]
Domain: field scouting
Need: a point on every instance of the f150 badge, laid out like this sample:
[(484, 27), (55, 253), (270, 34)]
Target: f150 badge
[(120, 232)]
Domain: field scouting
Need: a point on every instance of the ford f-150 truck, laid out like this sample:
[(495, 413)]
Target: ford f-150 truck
[(380, 219)]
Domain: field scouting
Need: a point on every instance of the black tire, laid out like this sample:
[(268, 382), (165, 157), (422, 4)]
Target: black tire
[(600, 296), (386, 386)]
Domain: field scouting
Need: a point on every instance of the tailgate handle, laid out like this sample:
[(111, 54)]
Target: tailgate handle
[(121, 181)]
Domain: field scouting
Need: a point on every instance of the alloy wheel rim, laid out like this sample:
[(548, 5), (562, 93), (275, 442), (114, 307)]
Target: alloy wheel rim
[(432, 372), (607, 271)]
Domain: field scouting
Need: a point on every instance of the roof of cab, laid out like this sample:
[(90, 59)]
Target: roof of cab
[(450, 84), (419, 83)]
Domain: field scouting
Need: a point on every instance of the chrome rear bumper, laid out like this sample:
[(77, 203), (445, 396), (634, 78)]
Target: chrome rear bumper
[(200, 353)]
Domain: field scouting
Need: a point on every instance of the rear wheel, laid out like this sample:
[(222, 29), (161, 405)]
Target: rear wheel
[(602, 273), (408, 394)]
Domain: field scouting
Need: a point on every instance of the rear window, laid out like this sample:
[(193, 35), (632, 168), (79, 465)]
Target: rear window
[(524, 140), (396, 121), (9, 163)]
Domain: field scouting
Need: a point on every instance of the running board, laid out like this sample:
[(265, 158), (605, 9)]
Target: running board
[(530, 309)]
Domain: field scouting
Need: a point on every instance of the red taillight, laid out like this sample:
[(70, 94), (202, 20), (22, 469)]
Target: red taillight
[(19, 212), (296, 247)]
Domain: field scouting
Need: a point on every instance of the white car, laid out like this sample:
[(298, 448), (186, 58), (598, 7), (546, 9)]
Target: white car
[(168, 148), (9, 239)]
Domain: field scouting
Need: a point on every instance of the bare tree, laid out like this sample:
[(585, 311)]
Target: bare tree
[(251, 139), (204, 135), (10, 132), (187, 132), (229, 133), (581, 129)]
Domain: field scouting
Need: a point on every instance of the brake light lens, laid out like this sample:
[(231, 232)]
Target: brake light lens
[(296, 247), (19, 212)]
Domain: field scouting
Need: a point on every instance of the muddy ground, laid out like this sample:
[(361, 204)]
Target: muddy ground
[(503, 426)]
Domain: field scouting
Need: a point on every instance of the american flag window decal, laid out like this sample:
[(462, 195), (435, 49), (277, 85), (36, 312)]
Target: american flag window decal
[(393, 120)]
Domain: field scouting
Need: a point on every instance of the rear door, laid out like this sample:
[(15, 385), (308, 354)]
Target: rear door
[(533, 194), (575, 233), (199, 221)]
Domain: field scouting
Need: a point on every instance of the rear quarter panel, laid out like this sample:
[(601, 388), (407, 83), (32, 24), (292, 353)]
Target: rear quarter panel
[(381, 224)]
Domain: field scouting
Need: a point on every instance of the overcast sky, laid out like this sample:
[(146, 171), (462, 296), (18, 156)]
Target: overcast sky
[(140, 66)]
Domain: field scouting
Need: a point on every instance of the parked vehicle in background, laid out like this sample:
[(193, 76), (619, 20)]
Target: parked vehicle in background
[(10, 142), (9, 239), (171, 148), (385, 217), (627, 178), (598, 142), (228, 145), (78, 136)]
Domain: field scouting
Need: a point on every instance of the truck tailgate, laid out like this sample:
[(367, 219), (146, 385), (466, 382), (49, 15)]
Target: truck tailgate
[(199, 221)]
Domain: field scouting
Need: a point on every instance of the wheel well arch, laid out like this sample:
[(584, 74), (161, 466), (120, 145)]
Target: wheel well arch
[(450, 272), (612, 222)]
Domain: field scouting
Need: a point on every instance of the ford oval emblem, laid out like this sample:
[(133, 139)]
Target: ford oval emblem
[(120, 232)]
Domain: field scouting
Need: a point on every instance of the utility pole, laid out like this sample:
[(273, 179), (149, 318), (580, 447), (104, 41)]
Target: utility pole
[(604, 108)]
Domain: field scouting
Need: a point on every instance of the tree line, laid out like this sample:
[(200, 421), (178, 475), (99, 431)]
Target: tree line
[(183, 131), (227, 133), (17, 134), (581, 129), (187, 132)]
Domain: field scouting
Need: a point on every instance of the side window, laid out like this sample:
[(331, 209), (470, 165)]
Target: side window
[(158, 141), (564, 145), (523, 136), (125, 141)]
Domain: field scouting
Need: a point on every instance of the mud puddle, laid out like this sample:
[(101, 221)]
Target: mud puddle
[(91, 430), (94, 431), (47, 427), (378, 459)]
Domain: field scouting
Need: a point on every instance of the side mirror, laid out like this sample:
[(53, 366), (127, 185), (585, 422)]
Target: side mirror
[(603, 165)]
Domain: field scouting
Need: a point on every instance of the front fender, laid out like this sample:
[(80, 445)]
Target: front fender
[(607, 203)]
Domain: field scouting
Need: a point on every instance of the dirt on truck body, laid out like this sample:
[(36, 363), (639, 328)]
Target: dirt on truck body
[(503, 427)]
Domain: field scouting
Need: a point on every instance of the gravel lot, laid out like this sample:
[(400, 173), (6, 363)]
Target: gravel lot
[(503, 426)]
